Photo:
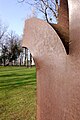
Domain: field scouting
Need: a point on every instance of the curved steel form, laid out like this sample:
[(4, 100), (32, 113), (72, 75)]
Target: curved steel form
[(58, 74)]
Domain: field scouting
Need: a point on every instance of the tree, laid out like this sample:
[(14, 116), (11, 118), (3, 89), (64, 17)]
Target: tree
[(10, 49), (10, 46), (49, 8), (3, 30), (14, 47), (4, 56), (3, 48)]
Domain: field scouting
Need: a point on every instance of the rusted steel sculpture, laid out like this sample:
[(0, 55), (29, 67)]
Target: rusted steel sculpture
[(58, 74)]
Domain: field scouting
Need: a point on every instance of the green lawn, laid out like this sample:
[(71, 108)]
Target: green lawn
[(17, 93)]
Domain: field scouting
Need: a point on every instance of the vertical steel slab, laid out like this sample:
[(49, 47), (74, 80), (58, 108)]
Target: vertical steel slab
[(58, 74)]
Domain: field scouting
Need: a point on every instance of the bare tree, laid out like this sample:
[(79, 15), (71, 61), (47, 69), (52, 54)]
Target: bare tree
[(10, 49), (3, 48), (14, 47), (49, 8), (3, 30), (4, 56)]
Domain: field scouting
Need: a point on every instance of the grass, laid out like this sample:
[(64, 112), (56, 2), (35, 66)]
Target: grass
[(17, 93)]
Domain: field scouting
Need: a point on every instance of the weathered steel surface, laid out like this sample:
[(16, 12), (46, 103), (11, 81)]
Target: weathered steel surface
[(58, 74), (62, 28)]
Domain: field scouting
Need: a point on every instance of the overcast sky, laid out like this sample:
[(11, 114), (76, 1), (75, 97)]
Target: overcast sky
[(14, 14)]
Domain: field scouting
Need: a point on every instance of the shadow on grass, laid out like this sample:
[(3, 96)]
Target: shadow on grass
[(17, 83), (17, 74), (15, 80)]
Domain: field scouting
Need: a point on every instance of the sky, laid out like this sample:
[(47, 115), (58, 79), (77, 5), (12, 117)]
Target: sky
[(13, 14)]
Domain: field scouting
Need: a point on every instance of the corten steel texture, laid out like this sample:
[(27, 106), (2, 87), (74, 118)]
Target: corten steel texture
[(58, 74), (62, 28)]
